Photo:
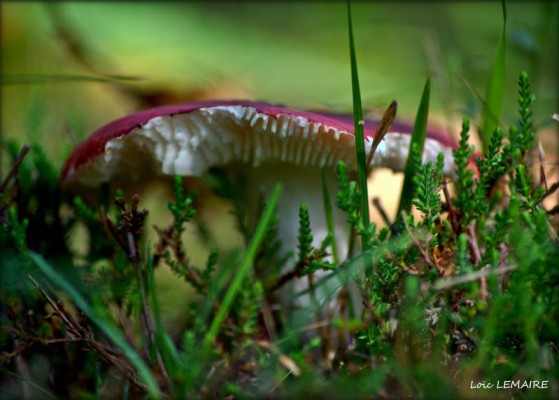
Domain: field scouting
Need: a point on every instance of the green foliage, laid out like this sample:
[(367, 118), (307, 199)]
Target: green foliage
[(464, 175), (427, 199), (310, 259), (17, 231), (171, 246), (417, 142), (523, 137), (348, 200), (305, 234), (182, 208)]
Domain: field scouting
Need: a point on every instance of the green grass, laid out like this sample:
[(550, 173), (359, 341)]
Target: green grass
[(495, 88), (358, 126)]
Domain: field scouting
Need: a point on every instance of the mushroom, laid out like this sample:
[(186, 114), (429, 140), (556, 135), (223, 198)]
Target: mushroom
[(263, 142)]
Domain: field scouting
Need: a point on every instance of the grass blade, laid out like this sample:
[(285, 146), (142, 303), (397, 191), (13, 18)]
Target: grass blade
[(358, 123), (246, 264), (108, 329), (495, 89), (30, 383), (165, 346), (418, 139)]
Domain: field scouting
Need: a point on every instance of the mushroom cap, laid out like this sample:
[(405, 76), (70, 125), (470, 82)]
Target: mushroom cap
[(188, 139)]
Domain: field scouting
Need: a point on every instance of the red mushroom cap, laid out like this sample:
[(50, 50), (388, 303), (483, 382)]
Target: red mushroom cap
[(241, 115)]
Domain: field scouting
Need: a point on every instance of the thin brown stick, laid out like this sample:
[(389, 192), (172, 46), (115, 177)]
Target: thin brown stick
[(424, 254), (114, 232), (75, 329), (541, 155), (450, 207), (472, 240), (342, 304), (78, 332), (268, 318), (351, 244), (13, 169), (64, 340), (474, 276), (133, 231), (553, 188), (148, 333), (382, 211)]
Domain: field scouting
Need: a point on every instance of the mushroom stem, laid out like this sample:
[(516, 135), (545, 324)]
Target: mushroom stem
[(301, 185)]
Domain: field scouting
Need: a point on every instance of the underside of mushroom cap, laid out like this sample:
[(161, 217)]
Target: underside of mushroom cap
[(189, 139)]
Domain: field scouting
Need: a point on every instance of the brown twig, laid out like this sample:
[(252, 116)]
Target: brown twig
[(472, 240), (553, 188), (543, 179), (75, 329), (268, 318), (13, 170), (424, 255), (285, 278), (351, 243), (504, 252), (451, 211), (79, 333), (371, 315), (342, 305), (171, 238), (131, 227), (114, 232), (382, 211), (474, 276)]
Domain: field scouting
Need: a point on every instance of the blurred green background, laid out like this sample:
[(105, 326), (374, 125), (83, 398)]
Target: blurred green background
[(292, 53)]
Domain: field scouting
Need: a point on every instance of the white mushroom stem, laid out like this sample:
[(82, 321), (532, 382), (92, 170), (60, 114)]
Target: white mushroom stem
[(301, 185)]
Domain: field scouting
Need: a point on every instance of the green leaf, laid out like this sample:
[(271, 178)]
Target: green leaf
[(164, 342), (29, 382), (358, 123), (495, 89)]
